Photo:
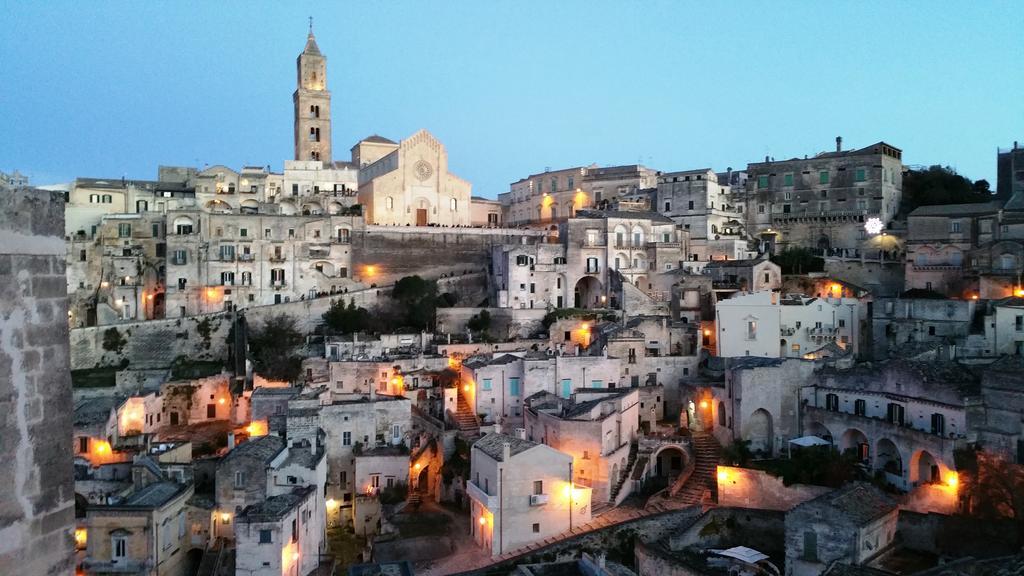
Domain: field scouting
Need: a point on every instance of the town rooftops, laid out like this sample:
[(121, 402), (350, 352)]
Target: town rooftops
[(933, 381), (957, 210), (264, 448), (624, 214), (276, 507), (287, 391), (481, 361), (493, 445), (858, 502)]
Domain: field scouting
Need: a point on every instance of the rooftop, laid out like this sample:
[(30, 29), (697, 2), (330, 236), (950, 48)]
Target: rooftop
[(493, 445), (95, 410), (275, 507), (859, 502), (734, 263), (638, 215), (973, 209), (154, 495), (264, 448)]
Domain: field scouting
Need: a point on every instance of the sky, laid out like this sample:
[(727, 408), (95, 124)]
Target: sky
[(107, 89)]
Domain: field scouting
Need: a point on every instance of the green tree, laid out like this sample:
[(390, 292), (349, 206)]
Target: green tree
[(738, 453), (941, 185), (274, 348), (480, 322), (417, 300), (797, 260), (342, 319)]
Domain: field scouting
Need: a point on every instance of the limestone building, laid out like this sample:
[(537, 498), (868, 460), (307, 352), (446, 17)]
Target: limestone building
[(823, 202), (696, 200)]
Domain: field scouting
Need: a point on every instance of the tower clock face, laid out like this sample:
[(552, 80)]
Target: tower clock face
[(423, 170)]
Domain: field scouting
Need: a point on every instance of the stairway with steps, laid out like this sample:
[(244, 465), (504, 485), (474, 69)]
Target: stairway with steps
[(707, 453), (627, 472), (467, 422)]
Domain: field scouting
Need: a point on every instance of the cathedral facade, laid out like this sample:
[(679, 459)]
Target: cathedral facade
[(403, 183)]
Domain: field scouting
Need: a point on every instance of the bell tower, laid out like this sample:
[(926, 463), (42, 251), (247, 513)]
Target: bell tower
[(312, 104)]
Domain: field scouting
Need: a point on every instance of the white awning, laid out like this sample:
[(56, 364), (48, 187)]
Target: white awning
[(743, 553), (805, 441)]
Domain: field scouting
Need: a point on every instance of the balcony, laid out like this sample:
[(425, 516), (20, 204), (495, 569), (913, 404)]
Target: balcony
[(278, 284), (596, 243), (822, 330), (593, 269), (245, 257), (787, 330), (277, 258), (227, 257), (477, 493)]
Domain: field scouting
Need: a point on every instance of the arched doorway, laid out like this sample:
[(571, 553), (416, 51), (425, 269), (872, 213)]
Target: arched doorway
[(889, 461), (924, 468), (587, 293), (759, 432), (857, 441), (824, 244), (820, 430), (423, 480), (668, 464)]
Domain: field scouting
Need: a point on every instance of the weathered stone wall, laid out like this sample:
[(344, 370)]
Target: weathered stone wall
[(749, 488), (156, 343), (880, 279), (37, 507), (505, 322)]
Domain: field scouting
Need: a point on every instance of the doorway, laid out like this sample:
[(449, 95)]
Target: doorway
[(421, 217)]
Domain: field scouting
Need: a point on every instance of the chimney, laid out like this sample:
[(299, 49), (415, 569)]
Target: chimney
[(839, 143), (373, 392), (506, 451), (766, 158)]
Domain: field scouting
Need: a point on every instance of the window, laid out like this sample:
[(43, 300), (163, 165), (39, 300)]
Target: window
[(455, 205), (823, 177), (572, 183), (689, 205), (938, 424), (760, 208), (1019, 323), (859, 175), (895, 413), (860, 407), (762, 182), (346, 438), (810, 546), (513, 386), (83, 444), (239, 479), (538, 487), (265, 537), (119, 547), (832, 402), (390, 203), (787, 180), (751, 329), (124, 230), (536, 528), (954, 226)]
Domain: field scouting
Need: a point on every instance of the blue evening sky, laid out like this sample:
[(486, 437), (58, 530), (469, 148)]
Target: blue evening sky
[(112, 89)]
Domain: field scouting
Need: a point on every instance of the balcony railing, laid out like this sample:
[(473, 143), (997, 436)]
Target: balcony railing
[(245, 257), (277, 258), (227, 257), (478, 494), (278, 283)]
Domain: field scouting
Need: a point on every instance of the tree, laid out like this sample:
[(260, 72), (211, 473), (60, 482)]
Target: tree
[(738, 453), (797, 260), (273, 348), (417, 300), (941, 185), (343, 319), (992, 487), (480, 322)]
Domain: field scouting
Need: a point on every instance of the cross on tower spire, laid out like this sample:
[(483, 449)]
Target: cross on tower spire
[(310, 24)]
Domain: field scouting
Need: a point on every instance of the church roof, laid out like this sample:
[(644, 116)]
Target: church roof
[(376, 139), (311, 47)]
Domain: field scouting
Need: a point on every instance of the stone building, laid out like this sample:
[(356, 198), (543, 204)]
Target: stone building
[(241, 478), (899, 321), (771, 325), (1010, 171), (521, 492), (145, 532), (940, 244), (595, 427), (37, 510), (823, 202), (552, 196), (411, 186), (729, 277), (595, 250), (11, 180), (283, 534), (312, 102), (852, 525), (484, 212), (695, 200)]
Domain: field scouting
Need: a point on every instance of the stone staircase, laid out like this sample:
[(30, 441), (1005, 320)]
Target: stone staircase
[(465, 419), (690, 492), (213, 559), (626, 473)]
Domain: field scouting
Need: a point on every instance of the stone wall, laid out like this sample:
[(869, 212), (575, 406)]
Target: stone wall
[(880, 279), (37, 508), (749, 488), (156, 343), (505, 322)]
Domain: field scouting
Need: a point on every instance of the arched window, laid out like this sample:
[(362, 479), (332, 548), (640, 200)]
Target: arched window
[(108, 199), (721, 413), (1008, 262), (390, 203), (455, 205)]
